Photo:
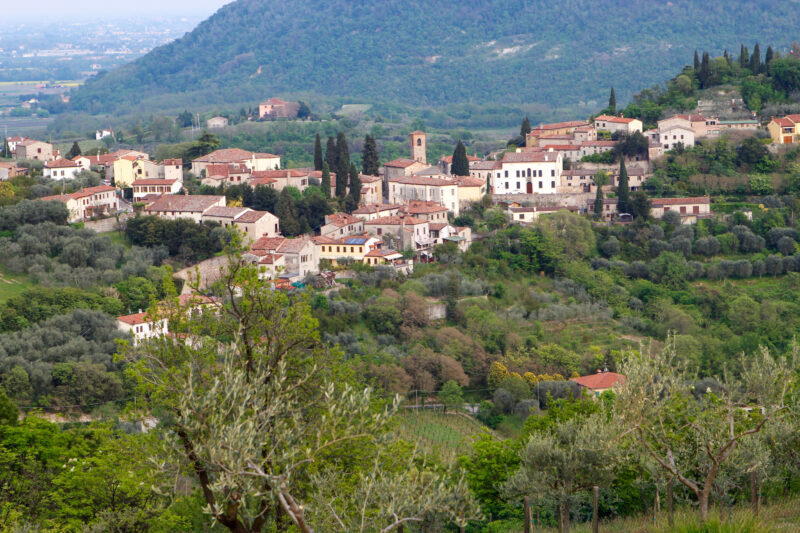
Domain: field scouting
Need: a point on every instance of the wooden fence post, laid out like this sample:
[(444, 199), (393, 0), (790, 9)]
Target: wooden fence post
[(526, 504), (595, 505), (754, 490), (670, 496)]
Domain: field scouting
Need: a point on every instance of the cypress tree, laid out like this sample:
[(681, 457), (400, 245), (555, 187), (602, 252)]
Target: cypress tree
[(369, 158), (744, 57), (355, 185), (6, 149), (755, 60), (460, 166), (286, 212), (623, 191), (768, 57), (600, 179), (696, 61), (525, 128), (705, 70), (342, 165), (325, 183), (726, 57), (318, 160), (612, 102), (75, 151), (331, 154)]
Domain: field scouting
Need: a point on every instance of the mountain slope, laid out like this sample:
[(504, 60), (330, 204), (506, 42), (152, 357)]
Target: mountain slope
[(432, 52)]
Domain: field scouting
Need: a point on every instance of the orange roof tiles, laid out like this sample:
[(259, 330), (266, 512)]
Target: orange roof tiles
[(601, 380)]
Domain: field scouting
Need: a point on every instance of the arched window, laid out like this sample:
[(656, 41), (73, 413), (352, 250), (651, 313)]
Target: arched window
[(419, 142)]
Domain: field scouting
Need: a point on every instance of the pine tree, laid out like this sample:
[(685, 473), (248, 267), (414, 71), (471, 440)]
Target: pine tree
[(325, 184), (355, 185), (696, 61), (75, 151), (369, 157), (342, 165), (330, 154), (525, 128), (769, 57), (318, 160), (755, 60), (623, 191), (612, 102), (460, 166)]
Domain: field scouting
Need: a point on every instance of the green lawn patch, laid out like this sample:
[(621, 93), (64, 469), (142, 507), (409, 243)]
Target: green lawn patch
[(12, 284), (117, 238), (444, 435)]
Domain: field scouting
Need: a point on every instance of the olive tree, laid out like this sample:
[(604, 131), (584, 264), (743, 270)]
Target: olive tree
[(254, 404), (694, 434), (574, 456)]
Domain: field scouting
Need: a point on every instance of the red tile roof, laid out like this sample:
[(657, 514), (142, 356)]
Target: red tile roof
[(618, 120), (400, 163), (278, 174), (418, 206), (558, 125), (395, 221), (134, 319), (530, 157), (449, 158), (153, 181), (430, 182), (264, 245), (225, 155), (196, 203), (601, 380), (61, 163), (341, 219)]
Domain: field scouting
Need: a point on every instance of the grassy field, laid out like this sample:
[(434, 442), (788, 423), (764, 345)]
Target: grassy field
[(12, 284), (777, 518), (445, 435), (117, 238)]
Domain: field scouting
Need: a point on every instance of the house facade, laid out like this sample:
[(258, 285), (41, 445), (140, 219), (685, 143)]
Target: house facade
[(440, 190), (33, 149), (784, 130), (143, 187), (529, 172), (61, 169), (341, 224), (277, 108), (177, 206), (251, 224), (617, 124), (88, 202), (227, 156), (141, 327)]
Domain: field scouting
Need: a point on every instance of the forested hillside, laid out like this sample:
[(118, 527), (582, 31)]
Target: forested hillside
[(434, 52)]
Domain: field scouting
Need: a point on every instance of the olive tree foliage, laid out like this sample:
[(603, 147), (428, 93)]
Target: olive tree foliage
[(556, 466), (695, 434), (253, 407)]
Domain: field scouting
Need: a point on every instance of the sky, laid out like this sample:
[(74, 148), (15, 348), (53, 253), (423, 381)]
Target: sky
[(115, 9)]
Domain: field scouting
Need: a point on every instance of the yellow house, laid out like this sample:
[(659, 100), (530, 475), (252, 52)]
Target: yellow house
[(124, 173), (785, 130), (355, 248), (470, 190)]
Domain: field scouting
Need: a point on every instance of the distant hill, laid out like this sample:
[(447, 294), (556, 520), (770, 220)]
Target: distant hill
[(434, 52)]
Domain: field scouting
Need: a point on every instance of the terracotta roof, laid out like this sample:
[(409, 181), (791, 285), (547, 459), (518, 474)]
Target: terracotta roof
[(691, 118), (293, 246), (562, 147), (153, 181), (555, 137), (784, 122), (601, 380), (83, 193), (466, 181), (437, 226), (261, 181), (373, 208), (471, 158), (197, 203), (365, 178), (265, 155), (172, 162), (270, 259), (559, 125), (395, 221), (400, 163), (618, 120), (417, 206), (322, 239), (252, 216), (485, 165), (30, 142), (430, 182), (679, 201), (134, 319), (542, 209), (341, 219), (417, 132), (275, 101), (266, 244), (383, 253), (225, 212), (277, 174), (599, 143), (225, 155), (61, 163), (530, 157)]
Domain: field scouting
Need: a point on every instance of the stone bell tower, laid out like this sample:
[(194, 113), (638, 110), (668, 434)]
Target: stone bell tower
[(418, 147)]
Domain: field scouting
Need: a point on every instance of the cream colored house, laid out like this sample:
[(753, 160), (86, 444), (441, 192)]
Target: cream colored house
[(405, 231), (371, 189), (251, 224), (354, 247), (61, 169), (33, 149), (430, 211), (144, 187), (177, 206), (441, 190), (88, 202), (217, 123), (402, 167), (376, 210), (141, 327), (253, 160), (299, 254), (614, 124), (341, 224)]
